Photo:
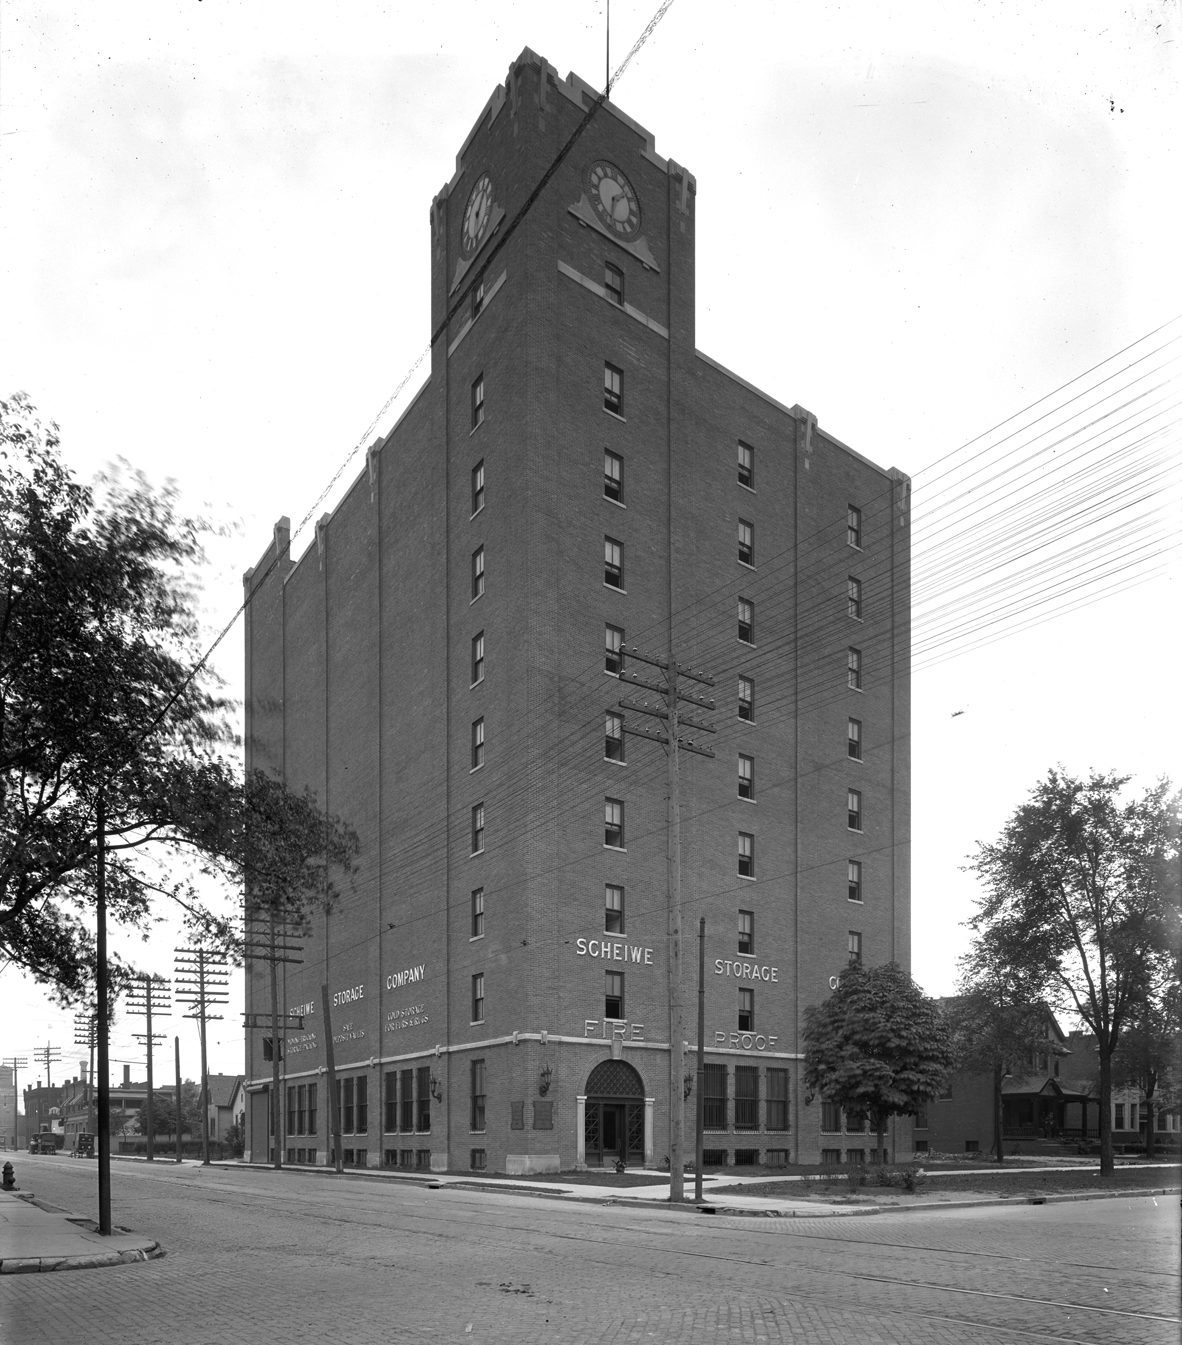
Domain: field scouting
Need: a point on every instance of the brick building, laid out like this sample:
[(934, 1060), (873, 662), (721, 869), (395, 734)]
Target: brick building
[(441, 667)]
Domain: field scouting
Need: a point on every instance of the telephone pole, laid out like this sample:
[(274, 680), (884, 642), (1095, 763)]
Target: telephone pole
[(16, 1063), (149, 995), (86, 1034), (666, 705), (47, 1055), (268, 936), (201, 982)]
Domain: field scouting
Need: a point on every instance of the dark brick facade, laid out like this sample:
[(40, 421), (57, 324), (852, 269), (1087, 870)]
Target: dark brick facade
[(360, 685)]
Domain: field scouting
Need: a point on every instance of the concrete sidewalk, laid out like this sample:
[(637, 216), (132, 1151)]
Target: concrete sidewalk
[(37, 1237)]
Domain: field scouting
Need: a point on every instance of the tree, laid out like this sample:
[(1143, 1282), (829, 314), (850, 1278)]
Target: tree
[(164, 1111), (1082, 890), (998, 1018), (877, 1045), (104, 697)]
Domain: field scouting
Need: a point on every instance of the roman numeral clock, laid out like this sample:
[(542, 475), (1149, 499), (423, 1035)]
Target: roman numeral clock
[(610, 204)]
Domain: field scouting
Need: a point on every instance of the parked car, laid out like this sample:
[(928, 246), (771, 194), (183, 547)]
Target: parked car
[(45, 1143)]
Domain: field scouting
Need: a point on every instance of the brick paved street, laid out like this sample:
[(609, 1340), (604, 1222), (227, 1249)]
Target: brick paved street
[(258, 1257)]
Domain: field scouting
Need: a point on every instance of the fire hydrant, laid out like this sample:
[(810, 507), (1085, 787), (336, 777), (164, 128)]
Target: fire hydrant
[(9, 1182)]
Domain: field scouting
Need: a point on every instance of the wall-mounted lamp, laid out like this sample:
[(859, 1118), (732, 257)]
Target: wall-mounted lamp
[(436, 1089), (544, 1077)]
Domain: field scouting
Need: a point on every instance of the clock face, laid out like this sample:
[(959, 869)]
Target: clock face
[(613, 198), (476, 215)]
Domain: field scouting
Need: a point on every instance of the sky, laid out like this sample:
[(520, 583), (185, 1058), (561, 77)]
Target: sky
[(918, 220)]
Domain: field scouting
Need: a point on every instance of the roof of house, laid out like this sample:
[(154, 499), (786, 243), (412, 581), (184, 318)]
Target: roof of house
[(222, 1088)]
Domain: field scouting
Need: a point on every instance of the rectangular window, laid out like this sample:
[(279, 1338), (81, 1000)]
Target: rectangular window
[(854, 879), (346, 1103), (478, 487), (613, 736), (1118, 1121), (853, 808), (406, 1110), (613, 283), (746, 776), (853, 526), (714, 1097), (478, 573), (613, 823), (478, 1160), (746, 1097), (613, 639), (776, 1111), (478, 997), (746, 542), (423, 1101), (746, 465), (921, 1116), (477, 912), (746, 621), (613, 994), (613, 389), (477, 828), (478, 401), (613, 563), (746, 1009), (747, 698), (854, 946), (291, 1110), (853, 589), (477, 743), (853, 659), (311, 1109), (362, 1117), (390, 1100), (746, 931), (746, 855), (853, 742), (476, 1090), (830, 1118), (855, 1120), (613, 908), (613, 476), (478, 296), (478, 658)]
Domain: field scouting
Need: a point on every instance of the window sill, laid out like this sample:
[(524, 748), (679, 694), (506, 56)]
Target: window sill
[(475, 598), (749, 643), (618, 503), (747, 798), (747, 564), (747, 877), (477, 683), (475, 938), (615, 588), (476, 512), (474, 769), (616, 761), (620, 849), (474, 428), (615, 415)]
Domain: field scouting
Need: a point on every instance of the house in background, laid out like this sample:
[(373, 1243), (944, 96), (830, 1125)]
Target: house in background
[(227, 1103), (1053, 1099)]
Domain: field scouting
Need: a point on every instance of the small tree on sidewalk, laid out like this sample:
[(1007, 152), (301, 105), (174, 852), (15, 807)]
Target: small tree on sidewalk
[(877, 1045)]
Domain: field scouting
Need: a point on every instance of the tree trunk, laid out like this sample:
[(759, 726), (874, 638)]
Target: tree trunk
[(1107, 1166), (1150, 1150), (998, 1112)]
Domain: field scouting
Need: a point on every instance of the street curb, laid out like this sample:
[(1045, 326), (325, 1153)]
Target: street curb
[(29, 1265)]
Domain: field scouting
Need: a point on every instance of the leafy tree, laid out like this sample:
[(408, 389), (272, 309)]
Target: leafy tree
[(998, 1019), (877, 1045), (103, 697), (1081, 888), (164, 1111)]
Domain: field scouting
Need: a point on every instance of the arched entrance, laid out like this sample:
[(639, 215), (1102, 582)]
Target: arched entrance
[(613, 1119)]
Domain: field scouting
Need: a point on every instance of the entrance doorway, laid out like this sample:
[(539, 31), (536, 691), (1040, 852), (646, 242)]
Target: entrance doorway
[(613, 1123)]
